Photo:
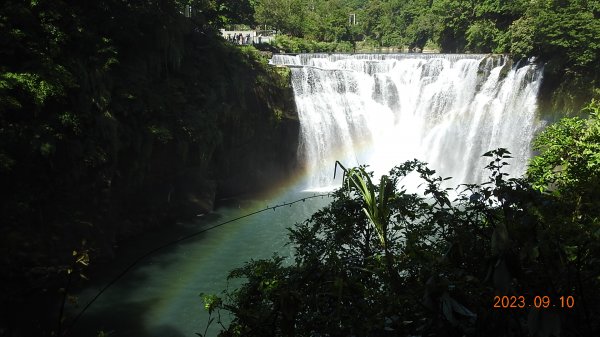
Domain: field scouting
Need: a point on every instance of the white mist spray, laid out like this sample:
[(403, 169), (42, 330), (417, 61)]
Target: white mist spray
[(383, 109)]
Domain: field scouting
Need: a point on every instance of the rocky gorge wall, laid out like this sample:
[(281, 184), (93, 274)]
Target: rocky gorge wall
[(116, 118)]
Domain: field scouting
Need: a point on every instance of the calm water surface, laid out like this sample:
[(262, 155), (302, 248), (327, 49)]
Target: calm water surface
[(159, 297)]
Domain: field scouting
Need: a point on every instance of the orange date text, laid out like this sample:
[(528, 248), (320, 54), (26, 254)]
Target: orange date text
[(538, 302)]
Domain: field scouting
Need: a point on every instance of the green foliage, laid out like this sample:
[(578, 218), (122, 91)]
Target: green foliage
[(421, 29), (567, 31), (483, 36), (522, 33), (289, 44), (32, 85), (376, 207), (116, 116), (398, 23), (560, 32), (235, 11), (286, 16), (568, 164), (455, 16), (415, 263), (211, 302)]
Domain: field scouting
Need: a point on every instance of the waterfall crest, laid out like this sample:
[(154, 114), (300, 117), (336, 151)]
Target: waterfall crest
[(383, 109)]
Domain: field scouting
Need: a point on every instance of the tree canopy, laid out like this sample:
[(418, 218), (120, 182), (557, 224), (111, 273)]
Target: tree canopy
[(565, 31), (560, 34)]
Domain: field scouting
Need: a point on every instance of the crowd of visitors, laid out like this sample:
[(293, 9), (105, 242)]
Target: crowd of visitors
[(243, 39)]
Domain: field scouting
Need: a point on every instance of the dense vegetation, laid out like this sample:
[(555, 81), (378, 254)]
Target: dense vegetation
[(521, 27), (384, 261), (116, 116), (561, 34), (292, 44)]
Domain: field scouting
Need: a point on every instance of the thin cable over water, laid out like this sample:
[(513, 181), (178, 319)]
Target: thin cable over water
[(187, 237)]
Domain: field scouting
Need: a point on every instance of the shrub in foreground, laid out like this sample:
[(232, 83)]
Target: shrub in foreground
[(502, 258)]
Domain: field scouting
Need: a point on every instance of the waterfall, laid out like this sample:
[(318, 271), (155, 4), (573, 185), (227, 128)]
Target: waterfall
[(383, 109)]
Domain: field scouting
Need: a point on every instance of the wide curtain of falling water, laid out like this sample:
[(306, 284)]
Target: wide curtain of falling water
[(383, 109)]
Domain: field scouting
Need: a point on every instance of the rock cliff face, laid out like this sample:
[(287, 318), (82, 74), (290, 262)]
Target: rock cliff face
[(119, 117), (257, 153), (564, 93), (258, 132), (256, 127)]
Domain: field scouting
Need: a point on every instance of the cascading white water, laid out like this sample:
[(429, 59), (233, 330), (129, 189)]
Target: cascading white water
[(383, 109)]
